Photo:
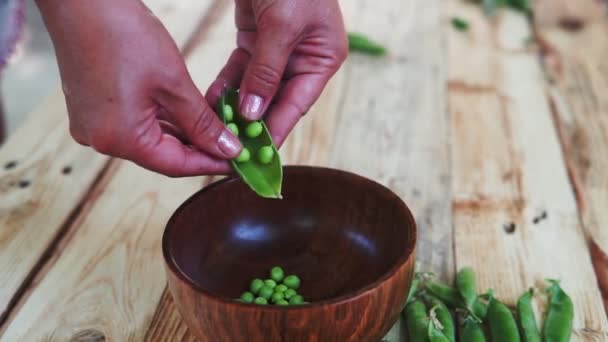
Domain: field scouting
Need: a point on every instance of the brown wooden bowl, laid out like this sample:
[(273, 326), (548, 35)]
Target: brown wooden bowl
[(351, 241)]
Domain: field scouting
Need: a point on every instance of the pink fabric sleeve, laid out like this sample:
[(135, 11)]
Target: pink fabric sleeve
[(11, 22)]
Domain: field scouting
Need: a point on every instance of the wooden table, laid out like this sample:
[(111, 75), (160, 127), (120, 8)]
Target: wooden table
[(480, 132)]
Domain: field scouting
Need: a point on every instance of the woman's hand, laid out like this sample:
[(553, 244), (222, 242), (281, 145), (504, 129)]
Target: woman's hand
[(287, 50), (128, 92)]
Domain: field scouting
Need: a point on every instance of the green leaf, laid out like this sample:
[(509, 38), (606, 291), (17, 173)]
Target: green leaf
[(265, 179)]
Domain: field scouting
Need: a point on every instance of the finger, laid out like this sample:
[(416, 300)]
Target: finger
[(172, 158), (170, 129), (264, 71), (198, 121), (294, 99), (229, 77)]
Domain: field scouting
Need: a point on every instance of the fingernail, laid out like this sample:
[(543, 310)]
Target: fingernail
[(252, 107), (229, 144)]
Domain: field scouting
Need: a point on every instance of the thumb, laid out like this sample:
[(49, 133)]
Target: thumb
[(192, 114), (264, 72)]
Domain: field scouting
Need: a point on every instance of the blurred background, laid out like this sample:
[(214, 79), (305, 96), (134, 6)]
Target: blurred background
[(31, 73)]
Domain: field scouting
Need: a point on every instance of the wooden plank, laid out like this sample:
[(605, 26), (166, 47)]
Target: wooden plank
[(575, 59), (36, 195), (394, 127), (35, 215), (508, 168)]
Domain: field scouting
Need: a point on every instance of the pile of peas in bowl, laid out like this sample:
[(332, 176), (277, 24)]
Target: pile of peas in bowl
[(278, 290)]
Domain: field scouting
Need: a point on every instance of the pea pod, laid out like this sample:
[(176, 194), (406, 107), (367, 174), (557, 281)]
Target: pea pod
[(558, 323), (413, 289), (445, 293), (465, 282), (265, 178), (435, 329), (442, 314), (417, 321), (503, 327), (359, 43), (472, 331), (527, 321)]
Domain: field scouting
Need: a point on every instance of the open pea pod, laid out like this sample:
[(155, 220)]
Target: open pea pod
[(264, 175)]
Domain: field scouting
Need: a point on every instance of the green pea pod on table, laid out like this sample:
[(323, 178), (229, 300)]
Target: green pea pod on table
[(259, 165), (466, 284), (472, 331), (527, 320), (357, 42), (503, 327), (445, 293), (435, 329), (417, 321), (443, 315), (558, 322), (413, 288)]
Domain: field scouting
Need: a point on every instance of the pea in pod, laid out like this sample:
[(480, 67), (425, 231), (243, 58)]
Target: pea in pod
[(527, 321), (472, 331), (465, 282), (503, 327), (558, 323), (359, 43), (259, 164), (417, 321), (442, 314)]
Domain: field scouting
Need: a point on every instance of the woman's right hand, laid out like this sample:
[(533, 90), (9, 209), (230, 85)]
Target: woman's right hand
[(128, 92)]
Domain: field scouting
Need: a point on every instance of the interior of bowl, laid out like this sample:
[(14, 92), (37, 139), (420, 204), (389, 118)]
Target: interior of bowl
[(339, 232)]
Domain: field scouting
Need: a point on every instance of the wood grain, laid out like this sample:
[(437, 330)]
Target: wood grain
[(576, 62), (393, 126), (508, 168), (39, 193)]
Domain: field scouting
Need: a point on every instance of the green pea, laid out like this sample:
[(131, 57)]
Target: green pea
[(254, 129), (292, 281), (277, 296), (260, 301), (282, 302), (443, 315), (472, 331), (465, 282), (290, 293), (228, 112), (558, 322), (266, 292), (256, 285), (276, 273), (296, 300), (270, 283), (503, 327), (280, 288), (233, 128), (244, 156), (265, 154), (247, 297), (527, 321), (417, 320)]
